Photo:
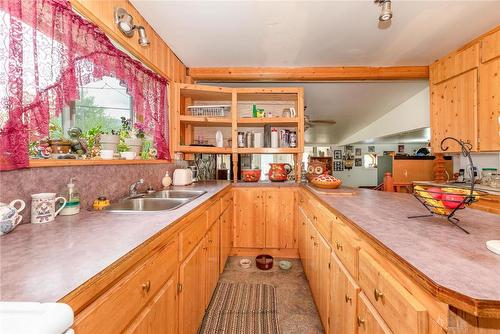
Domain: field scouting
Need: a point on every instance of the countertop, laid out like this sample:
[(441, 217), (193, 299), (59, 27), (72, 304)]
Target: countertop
[(445, 255), (45, 262)]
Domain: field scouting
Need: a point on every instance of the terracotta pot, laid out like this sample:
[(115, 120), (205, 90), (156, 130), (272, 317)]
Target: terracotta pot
[(250, 175), (278, 172)]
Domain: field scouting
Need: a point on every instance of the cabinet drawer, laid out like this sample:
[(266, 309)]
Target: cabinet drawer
[(400, 310), (116, 308), (369, 321), (213, 213), (343, 246), (192, 235), (226, 201), (320, 216)]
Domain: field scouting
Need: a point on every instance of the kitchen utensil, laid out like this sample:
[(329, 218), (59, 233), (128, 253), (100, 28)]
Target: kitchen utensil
[(182, 177), (278, 171), (7, 225), (285, 265), (9, 210), (43, 207), (245, 263), (107, 154), (264, 262), (250, 175)]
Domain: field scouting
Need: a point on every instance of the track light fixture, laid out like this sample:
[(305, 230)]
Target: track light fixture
[(125, 23), (386, 10)]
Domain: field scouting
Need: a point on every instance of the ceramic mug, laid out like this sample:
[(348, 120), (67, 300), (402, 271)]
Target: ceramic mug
[(43, 207), (8, 210), (7, 225)]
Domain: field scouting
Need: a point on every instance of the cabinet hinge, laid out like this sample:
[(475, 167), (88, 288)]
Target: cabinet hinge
[(179, 287)]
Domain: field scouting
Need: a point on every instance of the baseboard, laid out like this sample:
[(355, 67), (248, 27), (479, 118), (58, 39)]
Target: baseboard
[(292, 253)]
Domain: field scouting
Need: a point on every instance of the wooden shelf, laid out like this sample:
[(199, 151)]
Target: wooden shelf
[(204, 149), (205, 121), (38, 163), (276, 121), (268, 150), (205, 93)]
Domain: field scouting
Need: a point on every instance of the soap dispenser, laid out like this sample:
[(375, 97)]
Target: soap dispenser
[(72, 196), (166, 181)]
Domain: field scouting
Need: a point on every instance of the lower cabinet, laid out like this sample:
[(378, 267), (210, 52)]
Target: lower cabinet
[(226, 236), (343, 299), (160, 315), (212, 241), (192, 287), (369, 321), (249, 225)]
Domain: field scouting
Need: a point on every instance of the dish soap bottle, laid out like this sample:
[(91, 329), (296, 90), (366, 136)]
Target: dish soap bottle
[(72, 196), (166, 181)]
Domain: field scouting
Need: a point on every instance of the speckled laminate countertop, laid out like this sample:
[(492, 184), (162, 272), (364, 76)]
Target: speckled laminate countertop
[(45, 262), (453, 260)]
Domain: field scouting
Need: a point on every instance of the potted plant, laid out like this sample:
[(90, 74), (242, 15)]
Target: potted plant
[(133, 136), (109, 141)]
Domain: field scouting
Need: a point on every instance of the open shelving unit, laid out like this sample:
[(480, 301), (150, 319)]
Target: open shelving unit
[(191, 131)]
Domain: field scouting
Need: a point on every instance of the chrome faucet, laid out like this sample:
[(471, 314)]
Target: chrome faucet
[(133, 187)]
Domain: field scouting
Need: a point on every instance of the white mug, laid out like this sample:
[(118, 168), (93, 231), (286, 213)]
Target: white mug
[(43, 207)]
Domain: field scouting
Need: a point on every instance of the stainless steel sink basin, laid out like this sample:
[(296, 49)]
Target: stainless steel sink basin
[(191, 194), (147, 204)]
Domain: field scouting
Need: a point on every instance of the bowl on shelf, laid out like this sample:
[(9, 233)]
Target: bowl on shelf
[(250, 175)]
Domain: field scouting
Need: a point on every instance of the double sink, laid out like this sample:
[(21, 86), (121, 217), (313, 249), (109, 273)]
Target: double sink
[(164, 200)]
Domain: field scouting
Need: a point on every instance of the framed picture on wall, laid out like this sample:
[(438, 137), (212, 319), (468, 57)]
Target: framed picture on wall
[(401, 148), (357, 151), (337, 154), (371, 149), (358, 162), (338, 166)]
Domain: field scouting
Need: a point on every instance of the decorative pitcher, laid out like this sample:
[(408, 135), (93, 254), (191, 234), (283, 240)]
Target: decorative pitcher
[(43, 207), (278, 171)]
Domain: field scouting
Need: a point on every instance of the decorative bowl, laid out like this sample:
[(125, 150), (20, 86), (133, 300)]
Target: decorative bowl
[(250, 175), (285, 265), (326, 181)]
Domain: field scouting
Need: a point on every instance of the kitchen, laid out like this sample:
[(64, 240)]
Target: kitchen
[(182, 179)]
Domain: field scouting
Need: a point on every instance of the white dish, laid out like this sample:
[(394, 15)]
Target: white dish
[(107, 154), (494, 246), (129, 155), (245, 263)]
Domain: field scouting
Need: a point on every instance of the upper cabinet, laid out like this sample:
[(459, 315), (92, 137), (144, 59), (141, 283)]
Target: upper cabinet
[(465, 96)]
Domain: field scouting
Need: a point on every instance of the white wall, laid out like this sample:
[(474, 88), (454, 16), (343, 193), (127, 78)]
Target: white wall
[(410, 115), (480, 160)]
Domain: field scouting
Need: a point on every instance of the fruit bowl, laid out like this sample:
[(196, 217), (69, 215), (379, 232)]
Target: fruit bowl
[(250, 175), (326, 181), (444, 201)]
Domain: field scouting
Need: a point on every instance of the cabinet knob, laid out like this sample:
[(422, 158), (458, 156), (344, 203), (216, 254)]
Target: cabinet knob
[(315, 218), (361, 322), (377, 294), (146, 286), (339, 246), (315, 244), (347, 298)]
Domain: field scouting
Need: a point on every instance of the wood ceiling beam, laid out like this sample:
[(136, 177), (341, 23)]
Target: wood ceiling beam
[(293, 74)]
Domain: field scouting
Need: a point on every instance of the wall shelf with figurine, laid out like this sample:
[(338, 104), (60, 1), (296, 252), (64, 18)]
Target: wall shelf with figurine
[(223, 120)]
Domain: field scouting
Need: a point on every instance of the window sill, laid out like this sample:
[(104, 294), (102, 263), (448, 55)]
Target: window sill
[(35, 163)]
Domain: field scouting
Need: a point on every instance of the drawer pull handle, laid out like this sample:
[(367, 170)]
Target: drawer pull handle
[(378, 294), (315, 244), (315, 218), (146, 286), (348, 299), (339, 246), (361, 322)]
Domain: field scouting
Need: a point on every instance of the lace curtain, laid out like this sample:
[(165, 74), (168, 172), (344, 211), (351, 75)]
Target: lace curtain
[(48, 52)]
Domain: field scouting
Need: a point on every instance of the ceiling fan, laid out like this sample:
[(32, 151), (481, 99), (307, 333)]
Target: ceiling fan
[(309, 123)]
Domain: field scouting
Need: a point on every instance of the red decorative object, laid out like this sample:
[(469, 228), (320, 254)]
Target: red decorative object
[(250, 175), (52, 53), (278, 171)]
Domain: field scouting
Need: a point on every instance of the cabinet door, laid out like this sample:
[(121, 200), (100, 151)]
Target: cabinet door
[(323, 253), (192, 299), (249, 225), (454, 111), (312, 259), (489, 105), (212, 240), (279, 212), (226, 236), (369, 321), (302, 237), (343, 299), (160, 315)]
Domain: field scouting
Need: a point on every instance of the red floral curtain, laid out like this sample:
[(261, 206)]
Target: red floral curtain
[(48, 52)]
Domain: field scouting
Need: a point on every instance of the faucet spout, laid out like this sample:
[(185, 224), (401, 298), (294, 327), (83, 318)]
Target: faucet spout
[(134, 186)]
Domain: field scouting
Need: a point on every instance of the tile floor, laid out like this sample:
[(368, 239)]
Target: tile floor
[(297, 313)]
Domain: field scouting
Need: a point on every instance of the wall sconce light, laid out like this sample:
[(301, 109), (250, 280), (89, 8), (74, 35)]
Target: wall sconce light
[(125, 23)]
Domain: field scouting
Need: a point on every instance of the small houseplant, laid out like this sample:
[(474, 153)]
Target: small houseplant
[(132, 135)]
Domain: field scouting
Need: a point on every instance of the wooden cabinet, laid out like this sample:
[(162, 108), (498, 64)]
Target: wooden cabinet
[(343, 299), (226, 236), (489, 103), (369, 321), (454, 111), (160, 315), (249, 224), (279, 213), (343, 243), (213, 248), (192, 288)]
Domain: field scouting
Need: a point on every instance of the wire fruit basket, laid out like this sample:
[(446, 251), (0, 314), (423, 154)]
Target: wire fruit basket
[(210, 111), (446, 201)]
